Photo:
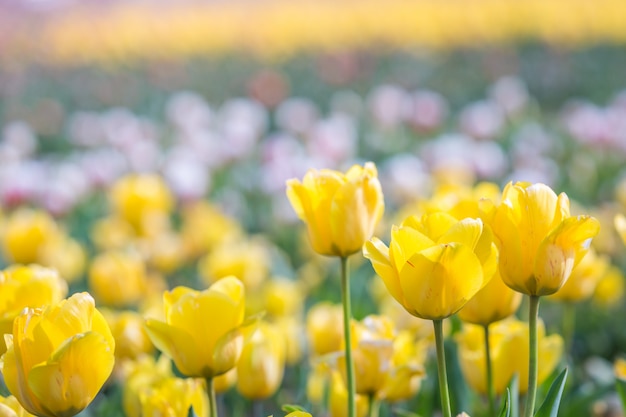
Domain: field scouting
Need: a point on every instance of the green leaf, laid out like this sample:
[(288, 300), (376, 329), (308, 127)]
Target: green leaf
[(191, 412), (506, 406), (290, 408), (620, 385), (513, 390), (550, 406)]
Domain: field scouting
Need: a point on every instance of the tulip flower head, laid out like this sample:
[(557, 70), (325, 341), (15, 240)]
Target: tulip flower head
[(435, 264), (202, 329), (509, 354), (27, 286), (261, 366), (58, 357), (340, 210), (540, 242)]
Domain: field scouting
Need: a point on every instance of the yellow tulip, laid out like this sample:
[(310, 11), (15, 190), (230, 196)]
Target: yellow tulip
[(261, 366), (338, 397), (26, 231), (204, 227), (435, 264), (117, 278), (610, 290), (299, 414), (174, 397), (540, 242), (10, 407), (201, 332), (139, 375), (340, 210), (27, 286), (131, 337), (508, 345), (494, 302), (65, 255), (387, 365), (283, 297), (248, 260), (324, 328), (584, 278), (140, 198), (111, 233), (224, 382), (620, 226), (59, 357)]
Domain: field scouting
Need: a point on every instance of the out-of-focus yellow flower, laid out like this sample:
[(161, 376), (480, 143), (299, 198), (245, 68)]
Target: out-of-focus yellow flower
[(494, 302), (111, 233), (10, 407), (407, 371), (610, 290), (387, 365), (224, 382), (325, 383), (59, 357), (620, 226), (118, 278), (164, 252), (584, 278), (131, 338), (201, 332), (540, 242), (26, 231), (288, 327), (138, 375), (138, 198), (27, 286), (508, 345), (324, 328), (340, 210), (435, 264), (174, 397), (65, 255), (204, 227), (283, 297), (620, 369), (248, 260), (261, 366), (338, 398)]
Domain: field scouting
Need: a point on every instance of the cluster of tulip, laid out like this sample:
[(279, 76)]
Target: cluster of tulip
[(466, 252)]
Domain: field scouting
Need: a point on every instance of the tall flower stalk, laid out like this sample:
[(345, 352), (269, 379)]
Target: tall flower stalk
[(341, 212), (540, 245), (432, 267), (347, 317)]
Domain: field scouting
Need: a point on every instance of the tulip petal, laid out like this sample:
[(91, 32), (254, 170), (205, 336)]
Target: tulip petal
[(227, 352), (620, 226), (69, 317), (74, 375), (466, 231), (405, 241), (177, 344), (378, 253), (560, 251), (438, 281)]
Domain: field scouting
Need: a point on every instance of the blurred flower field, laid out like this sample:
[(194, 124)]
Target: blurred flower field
[(152, 212)]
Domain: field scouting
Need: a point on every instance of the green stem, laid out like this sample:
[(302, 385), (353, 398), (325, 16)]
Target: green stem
[(347, 315), (374, 405), (490, 388), (441, 367), (212, 401), (569, 321), (531, 393)]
